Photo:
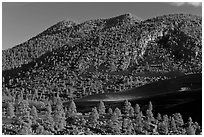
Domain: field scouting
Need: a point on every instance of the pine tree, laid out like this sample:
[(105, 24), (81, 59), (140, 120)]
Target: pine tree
[(49, 108), (34, 113), (94, 117), (23, 106), (101, 108), (131, 112), (149, 113), (25, 130), (110, 111), (166, 120), (23, 111), (126, 107), (35, 96), (10, 110), (59, 105), (40, 130), (150, 107), (125, 124), (139, 123), (137, 109), (139, 117), (190, 130), (27, 118), (147, 66), (162, 128), (59, 119), (179, 120), (71, 112), (118, 112), (190, 121), (115, 124), (49, 122), (173, 125), (159, 118), (197, 128), (130, 129), (83, 121)]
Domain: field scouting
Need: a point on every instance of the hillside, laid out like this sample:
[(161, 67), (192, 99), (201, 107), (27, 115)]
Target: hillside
[(54, 37), (167, 96), (193, 81), (104, 55), (111, 60)]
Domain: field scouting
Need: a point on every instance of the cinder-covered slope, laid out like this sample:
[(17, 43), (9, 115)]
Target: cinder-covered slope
[(164, 87)]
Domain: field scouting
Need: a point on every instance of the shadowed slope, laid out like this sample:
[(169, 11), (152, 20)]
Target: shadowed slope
[(193, 81)]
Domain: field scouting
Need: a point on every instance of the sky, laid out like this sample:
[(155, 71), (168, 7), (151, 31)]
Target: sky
[(22, 21)]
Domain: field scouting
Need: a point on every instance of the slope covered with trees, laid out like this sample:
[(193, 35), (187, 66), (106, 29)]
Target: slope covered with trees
[(106, 55), (71, 60), (59, 120)]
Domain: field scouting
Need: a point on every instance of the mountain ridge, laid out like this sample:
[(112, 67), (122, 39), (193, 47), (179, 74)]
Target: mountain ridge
[(94, 52)]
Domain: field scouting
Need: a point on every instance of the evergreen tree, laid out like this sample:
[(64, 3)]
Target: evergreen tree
[(40, 130), (25, 130), (35, 95), (173, 125), (115, 124), (139, 123), (23, 112), (126, 107), (22, 107), (147, 66), (159, 118), (190, 130), (59, 105), (118, 112), (190, 121), (130, 129), (166, 120), (178, 119), (162, 128), (59, 119), (150, 107), (125, 124), (83, 121), (110, 111), (101, 108), (131, 112), (10, 110), (149, 113), (197, 128), (49, 108), (49, 122), (71, 112), (26, 118), (139, 117), (88, 132), (137, 109), (94, 117), (34, 113)]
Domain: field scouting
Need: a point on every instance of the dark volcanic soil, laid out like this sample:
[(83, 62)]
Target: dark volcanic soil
[(165, 96)]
